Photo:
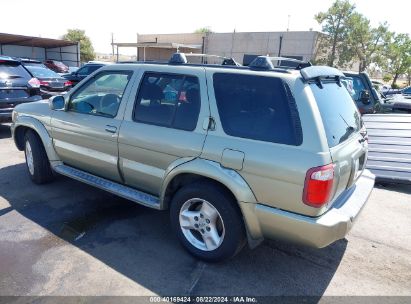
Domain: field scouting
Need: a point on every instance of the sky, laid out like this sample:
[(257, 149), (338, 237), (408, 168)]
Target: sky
[(126, 18)]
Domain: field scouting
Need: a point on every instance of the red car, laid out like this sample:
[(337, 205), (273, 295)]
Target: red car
[(56, 66)]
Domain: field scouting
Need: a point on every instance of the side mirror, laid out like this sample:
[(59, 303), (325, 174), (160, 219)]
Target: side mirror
[(365, 97), (56, 103)]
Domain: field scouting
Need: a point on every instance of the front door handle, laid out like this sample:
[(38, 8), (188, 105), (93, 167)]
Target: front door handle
[(111, 129)]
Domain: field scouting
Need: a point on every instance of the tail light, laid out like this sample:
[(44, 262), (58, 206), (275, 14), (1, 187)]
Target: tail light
[(68, 83), (44, 83), (318, 186), (34, 82)]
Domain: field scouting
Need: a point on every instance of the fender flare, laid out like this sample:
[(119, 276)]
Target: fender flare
[(40, 129), (229, 178)]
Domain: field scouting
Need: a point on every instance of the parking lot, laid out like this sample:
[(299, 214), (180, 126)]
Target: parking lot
[(54, 236)]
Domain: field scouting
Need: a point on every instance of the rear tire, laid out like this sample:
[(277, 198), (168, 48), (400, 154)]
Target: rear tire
[(207, 221), (37, 162)]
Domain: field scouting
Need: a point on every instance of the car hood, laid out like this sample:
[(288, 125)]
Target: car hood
[(38, 109)]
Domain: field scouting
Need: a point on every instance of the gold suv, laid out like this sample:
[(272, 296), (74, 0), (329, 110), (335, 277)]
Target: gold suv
[(237, 154)]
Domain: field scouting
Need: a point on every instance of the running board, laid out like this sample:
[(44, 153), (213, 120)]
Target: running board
[(109, 186)]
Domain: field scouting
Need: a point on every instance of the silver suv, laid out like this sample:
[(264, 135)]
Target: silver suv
[(237, 154)]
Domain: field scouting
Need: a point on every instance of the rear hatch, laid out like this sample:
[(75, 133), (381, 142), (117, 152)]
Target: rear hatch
[(345, 132), (14, 83)]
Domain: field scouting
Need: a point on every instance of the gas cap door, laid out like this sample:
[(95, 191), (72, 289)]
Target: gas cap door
[(232, 159)]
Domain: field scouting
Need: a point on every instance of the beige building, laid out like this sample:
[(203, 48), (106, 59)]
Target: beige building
[(242, 46)]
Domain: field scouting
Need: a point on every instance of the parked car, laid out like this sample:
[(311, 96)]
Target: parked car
[(16, 86), (56, 66), (235, 153), (406, 92), (369, 100), (361, 89), (83, 72), (51, 83)]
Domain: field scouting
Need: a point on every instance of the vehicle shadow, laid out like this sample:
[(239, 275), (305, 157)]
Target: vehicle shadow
[(5, 131), (138, 243), (397, 187)]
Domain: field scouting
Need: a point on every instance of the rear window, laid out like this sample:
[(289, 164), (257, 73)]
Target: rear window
[(40, 72), (257, 107), (338, 112), (10, 70)]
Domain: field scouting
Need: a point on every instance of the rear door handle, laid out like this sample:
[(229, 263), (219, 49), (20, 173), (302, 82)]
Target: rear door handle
[(111, 129)]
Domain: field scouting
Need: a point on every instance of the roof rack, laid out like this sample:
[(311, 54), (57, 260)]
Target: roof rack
[(266, 63), (181, 58)]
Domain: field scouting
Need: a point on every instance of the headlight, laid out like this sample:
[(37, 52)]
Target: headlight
[(14, 115)]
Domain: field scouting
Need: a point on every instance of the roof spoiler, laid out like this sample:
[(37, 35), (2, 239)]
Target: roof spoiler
[(266, 63), (320, 72)]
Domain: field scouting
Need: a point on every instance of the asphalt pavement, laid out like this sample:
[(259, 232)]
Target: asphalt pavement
[(67, 238)]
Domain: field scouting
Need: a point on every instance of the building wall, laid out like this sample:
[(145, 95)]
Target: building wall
[(187, 38), (23, 51), (159, 54), (67, 54), (236, 45)]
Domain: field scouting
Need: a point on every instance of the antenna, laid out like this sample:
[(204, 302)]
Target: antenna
[(288, 25)]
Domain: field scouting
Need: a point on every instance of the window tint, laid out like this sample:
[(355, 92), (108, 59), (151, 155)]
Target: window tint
[(257, 107), (101, 95), (83, 71), (88, 69), (93, 68), (339, 114), (168, 100), (9, 69)]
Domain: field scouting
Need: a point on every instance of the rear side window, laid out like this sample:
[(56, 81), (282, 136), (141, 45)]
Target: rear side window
[(168, 100), (339, 114), (10, 70), (257, 107)]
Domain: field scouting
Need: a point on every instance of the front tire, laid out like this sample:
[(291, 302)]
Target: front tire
[(37, 162), (207, 221)]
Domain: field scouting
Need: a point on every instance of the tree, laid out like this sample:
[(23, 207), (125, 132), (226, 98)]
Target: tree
[(203, 30), (86, 47), (367, 43), (335, 24), (398, 55)]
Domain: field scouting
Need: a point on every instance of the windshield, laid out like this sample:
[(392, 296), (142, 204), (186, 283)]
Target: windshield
[(339, 114), (40, 72)]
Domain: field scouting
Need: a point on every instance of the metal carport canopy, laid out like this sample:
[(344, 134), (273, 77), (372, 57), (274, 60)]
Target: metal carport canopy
[(46, 43), (55, 49)]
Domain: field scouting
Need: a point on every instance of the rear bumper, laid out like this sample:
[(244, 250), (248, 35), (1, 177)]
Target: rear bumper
[(320, 231)]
